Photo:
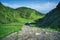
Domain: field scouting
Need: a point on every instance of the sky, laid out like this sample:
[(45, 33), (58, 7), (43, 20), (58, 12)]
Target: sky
[(43, 6)]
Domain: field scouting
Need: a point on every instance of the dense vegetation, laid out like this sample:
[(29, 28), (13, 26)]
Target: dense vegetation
[(8, 15), (51, 19), (12, 20), (28, 13)]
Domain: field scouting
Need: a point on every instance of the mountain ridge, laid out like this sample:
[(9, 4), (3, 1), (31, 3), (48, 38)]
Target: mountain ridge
[(51, 19), (13, 15)]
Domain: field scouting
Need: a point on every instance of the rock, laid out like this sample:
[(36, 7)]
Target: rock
[(28, 33)]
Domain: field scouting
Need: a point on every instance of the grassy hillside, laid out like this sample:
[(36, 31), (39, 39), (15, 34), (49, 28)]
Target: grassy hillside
[(8, 15), (12, 20), (51, 19), (28, 13)]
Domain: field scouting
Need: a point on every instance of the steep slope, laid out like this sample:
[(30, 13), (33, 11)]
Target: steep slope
[(6, 14), (9, 15), (51, 19), (28, 13)]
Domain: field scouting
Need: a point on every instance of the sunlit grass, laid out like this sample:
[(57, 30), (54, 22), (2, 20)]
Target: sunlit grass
[(8, 29)]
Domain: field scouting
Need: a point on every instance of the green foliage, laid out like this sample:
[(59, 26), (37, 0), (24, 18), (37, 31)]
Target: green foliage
[(8, 15), (6, 29), (11, 19), (51, 19), (28, 13)]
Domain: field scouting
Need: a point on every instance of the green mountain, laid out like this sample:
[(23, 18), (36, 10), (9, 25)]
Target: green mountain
[(6, 14), (28, 13), (9, 15), (51, 19)]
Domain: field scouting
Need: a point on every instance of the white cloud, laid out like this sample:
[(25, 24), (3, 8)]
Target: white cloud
[(11, 5), (40, 7), (44, 6)]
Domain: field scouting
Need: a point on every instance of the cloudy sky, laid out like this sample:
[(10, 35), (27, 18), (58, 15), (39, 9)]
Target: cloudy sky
[(43, 6)]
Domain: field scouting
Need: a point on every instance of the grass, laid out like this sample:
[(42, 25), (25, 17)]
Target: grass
[(8, 29), (47, 28)]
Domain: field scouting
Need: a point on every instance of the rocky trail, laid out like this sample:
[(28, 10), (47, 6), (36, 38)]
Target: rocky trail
[(33, 33)]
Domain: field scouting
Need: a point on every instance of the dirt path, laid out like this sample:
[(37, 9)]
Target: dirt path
[(28, 33)]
